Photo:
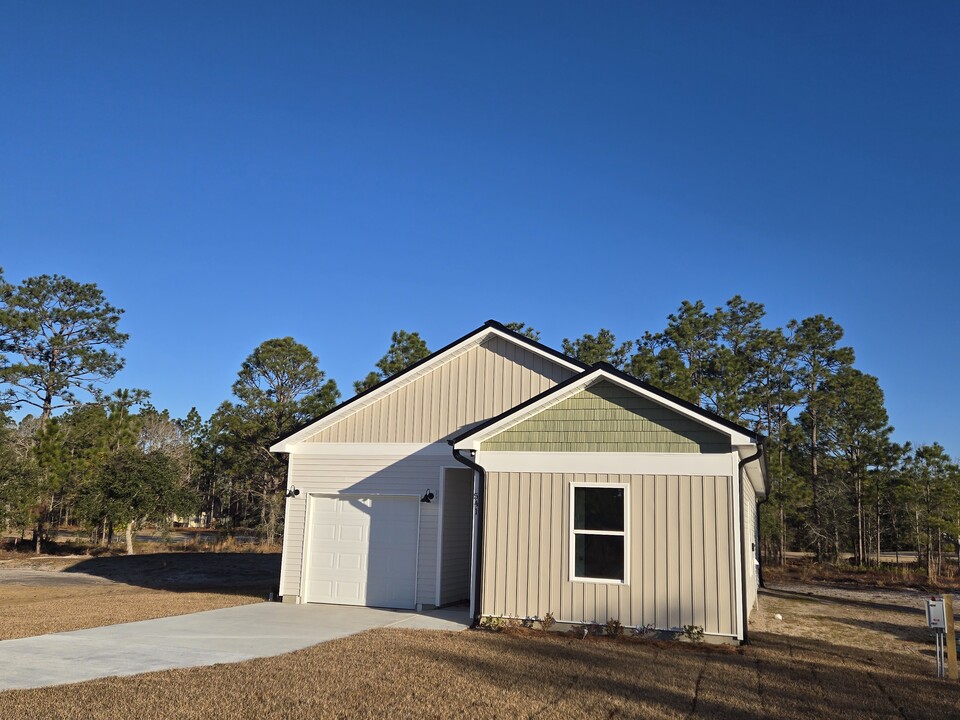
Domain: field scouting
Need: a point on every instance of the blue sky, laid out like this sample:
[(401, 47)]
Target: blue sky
[(232, 172)]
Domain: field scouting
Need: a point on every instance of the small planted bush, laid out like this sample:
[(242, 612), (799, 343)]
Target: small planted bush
[(547, 621), (693, 633), (643, 630), (613, 628)]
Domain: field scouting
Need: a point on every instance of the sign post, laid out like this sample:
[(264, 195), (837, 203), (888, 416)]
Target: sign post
[(951, 637), (940, 619)]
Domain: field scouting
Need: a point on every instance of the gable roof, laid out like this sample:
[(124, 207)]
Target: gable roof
[(388, 385), (471, 439), (744, 440)]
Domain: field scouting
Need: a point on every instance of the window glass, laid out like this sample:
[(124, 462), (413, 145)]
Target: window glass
[(599, 556), (598, 509)]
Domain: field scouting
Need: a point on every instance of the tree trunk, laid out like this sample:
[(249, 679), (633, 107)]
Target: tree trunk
[(837, 546), (783, 538), (130, 550), (939, 553), (815, 485), (861, 543), (878, 532), (783, 520), (896, 538), (916, 515), (47, 409), (42, 512)]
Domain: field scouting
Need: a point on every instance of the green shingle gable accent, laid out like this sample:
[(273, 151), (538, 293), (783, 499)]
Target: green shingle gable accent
[(608, 418)]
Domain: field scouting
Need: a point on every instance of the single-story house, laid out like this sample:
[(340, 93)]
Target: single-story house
[(501, 473)]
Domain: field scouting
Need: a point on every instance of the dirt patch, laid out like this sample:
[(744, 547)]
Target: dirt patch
[(792, 670), (858, 618)]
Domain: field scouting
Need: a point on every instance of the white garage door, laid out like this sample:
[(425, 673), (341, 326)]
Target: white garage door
[(363, 550)]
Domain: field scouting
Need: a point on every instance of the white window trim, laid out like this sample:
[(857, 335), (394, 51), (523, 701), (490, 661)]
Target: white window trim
[(625, 534)]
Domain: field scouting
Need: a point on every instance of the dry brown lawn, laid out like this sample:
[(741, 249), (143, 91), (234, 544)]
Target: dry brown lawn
[(902, 575), (74, 593), (26, 611), (837, 653)]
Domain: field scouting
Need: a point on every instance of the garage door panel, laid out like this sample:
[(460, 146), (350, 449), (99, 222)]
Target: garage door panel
[(352, 533), (322, 560), (350, 561), (350, 591), (363, 550), (325, 503)]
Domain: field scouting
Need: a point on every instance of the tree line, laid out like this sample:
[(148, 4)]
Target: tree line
[(839, 484), (112, 461)]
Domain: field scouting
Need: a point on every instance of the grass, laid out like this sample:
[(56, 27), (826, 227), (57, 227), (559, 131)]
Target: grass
[(419, 674), (851, 654), (78, 591), (903, 575), (27, 611)]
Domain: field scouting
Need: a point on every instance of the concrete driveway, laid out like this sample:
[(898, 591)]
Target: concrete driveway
[(205, 638)]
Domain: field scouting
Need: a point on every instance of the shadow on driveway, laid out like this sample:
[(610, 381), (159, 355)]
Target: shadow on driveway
[(193, 572)]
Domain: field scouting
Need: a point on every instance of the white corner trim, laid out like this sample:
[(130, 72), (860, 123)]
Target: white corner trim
[(372, 449), (739, 553), (606, 462), (441, 500)]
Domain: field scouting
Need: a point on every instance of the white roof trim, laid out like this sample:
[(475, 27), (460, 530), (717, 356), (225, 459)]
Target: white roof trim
[(399, 450), (399, 381), (753, 469), (630, 463), (473, 442)]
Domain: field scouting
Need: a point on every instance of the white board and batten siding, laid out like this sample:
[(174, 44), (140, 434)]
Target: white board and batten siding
[(363, 476)]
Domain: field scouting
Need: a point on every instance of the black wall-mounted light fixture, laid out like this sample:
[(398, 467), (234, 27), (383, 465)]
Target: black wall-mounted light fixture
[(293, 492), (427, 496)]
